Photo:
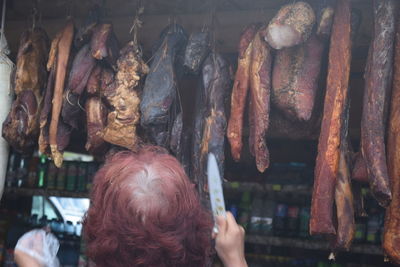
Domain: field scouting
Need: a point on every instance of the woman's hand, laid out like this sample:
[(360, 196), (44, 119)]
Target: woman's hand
[(229, 242), (24, 260)]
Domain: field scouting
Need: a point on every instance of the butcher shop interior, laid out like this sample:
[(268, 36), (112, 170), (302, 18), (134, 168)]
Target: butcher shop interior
[(306, 153)]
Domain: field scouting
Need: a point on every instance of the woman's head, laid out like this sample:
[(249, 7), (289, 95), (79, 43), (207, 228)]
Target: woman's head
[(145, 212)]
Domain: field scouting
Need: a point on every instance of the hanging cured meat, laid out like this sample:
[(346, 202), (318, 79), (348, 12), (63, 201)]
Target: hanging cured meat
[(57, 126), (94, 81), (260, 88), (104, 44), (391, 236), (81, 69), (378, 77), (158, 102), (197, 136), (295, 78), (291, 26), (327, 162), (197, 49), (96, 118), (21, 127), (344, 200), (216, 75), (359, 172), (324, 25), (239, 91), (124, 99)]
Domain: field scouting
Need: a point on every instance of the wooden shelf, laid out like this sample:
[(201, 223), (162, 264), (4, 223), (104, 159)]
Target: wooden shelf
[(45, 192), (309, 244)]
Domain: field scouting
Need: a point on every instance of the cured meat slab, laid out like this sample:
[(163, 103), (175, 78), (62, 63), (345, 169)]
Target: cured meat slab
[(239, 91), (391, 236), (327, 161), (260, 90), (378, 78)]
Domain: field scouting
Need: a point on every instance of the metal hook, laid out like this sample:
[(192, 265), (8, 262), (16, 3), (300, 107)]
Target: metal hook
[(79, 105), (67, 98)]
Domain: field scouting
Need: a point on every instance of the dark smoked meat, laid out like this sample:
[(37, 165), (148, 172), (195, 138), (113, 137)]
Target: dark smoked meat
[(99, 40), (21, 127), (96, 118), (197, 136), (197, 49), (216, 73), (176, 134), (85, 31), (160, 88), (295, 78), (239, 91), (391, 236), (260, 90), (82, 67), (104, 44), (359, 172), (94, 81), (378, 77), (327, 162)]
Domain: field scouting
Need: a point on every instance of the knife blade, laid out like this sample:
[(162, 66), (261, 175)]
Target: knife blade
[(215, 189)]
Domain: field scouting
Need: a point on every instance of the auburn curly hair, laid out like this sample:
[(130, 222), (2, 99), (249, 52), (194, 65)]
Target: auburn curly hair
[(145, 212)]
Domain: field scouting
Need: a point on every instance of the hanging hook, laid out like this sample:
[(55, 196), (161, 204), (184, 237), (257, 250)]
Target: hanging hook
[(70, 8), (34, 13), (137, 23)]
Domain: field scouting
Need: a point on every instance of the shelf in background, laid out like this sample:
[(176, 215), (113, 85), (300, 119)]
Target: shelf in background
[(309, 244), (45, 192), (266, 188)]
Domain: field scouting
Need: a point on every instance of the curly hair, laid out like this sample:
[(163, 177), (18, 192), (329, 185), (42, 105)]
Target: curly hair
[(145, 212)]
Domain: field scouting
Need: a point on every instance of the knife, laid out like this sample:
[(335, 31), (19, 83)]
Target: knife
[(215, 189)]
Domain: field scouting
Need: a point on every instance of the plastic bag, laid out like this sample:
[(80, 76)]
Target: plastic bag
[(40, 245), (6, 67)]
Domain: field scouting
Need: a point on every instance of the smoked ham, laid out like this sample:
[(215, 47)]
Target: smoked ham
[(391, 236), (239, 91), (327, 161), (295, 78), (62, 58), (96, 119), (260, 88), (378, 77), (21, 127), (81, 69), (197, 49), (158, 103)]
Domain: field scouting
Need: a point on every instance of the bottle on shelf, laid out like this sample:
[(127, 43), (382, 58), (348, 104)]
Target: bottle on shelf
[(292, 221), (91, 171), (304, 220), (61, 177), (22, 173), (280, 219), (13, 163), (244, 209), (72, 174), (268, 217), (82, 177), (41, 172), (52, 172), (32, 172), (256, 215)]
